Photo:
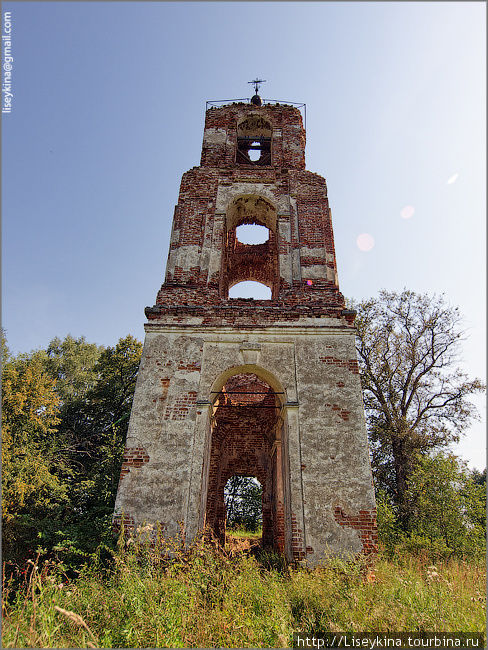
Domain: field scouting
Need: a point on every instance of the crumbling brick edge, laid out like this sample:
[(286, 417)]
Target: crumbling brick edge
[(365, 524)]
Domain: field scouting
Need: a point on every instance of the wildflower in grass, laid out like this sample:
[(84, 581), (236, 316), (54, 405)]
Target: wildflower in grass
[(432, 573)]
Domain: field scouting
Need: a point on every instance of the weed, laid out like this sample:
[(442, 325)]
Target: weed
[(154, 593)]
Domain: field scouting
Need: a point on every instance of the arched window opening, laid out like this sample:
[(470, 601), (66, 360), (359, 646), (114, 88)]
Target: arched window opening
[(243, 496), (253, 141), (250, 289), (250, 247), (252, 234), (251, 209)]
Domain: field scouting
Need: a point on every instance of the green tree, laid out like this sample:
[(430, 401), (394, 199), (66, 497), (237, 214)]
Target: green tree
[(71, 362), (72, 365), (415, 396), (93, 427), (32, 491), (95, 387), (479, 477), (108, 407), (447, 505), (243, 502), (389, 531), (65, 416)]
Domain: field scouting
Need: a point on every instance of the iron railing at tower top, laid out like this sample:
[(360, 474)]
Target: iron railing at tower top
[(302, 107)]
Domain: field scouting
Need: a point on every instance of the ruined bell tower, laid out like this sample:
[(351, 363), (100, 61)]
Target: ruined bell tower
[(253, 387)]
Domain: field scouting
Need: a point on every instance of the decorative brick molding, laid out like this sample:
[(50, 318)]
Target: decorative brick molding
[(365, 523), (133, 457)]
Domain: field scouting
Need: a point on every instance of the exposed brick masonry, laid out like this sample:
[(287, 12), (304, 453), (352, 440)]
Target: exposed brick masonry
[(343, 413), (350, 364), (125, 521), (181, 407), (133, 457), (250, 262), (365, 523), (288, 149), (242, 443), (297, 540), (197, 230)]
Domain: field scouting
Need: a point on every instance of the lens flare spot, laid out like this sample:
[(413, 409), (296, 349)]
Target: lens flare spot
[(407, 212), (453, 179), (365, 242), (309, 282)]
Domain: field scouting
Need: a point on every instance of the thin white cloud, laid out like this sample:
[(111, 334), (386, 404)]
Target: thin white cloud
[(453, 179)]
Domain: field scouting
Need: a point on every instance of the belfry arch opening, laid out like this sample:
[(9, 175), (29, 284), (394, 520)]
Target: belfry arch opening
[(253, 141), (257, 262), (247, 438)]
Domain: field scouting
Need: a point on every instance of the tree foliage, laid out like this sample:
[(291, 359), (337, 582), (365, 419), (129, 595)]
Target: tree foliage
[(65, 416), (446, 503), (104, 417), (448, 510), (243, 502), (71, 362), (31, 457), (415, 395)]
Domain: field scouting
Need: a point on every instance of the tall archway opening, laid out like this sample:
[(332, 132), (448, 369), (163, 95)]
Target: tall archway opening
[(250, 251), (246, 440)]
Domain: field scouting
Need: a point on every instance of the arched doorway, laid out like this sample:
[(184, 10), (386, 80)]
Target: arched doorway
[(246, 437)]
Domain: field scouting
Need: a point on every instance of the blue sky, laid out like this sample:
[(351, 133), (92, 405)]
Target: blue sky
[(108, 113)]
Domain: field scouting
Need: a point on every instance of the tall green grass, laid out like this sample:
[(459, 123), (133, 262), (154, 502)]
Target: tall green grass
[(204, 597), (240, 531)]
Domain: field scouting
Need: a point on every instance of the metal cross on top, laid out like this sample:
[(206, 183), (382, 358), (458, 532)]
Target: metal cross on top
[(256, 83)]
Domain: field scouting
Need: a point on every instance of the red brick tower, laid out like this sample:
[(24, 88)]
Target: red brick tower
[(263, 388)]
